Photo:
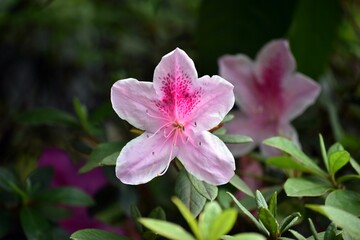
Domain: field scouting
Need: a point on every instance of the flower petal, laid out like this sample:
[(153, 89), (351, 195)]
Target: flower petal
[(208, 159), (134, 101), (274, 62), (238, 70), (216, 101), (300, 92), (174, 65), (143, 158)]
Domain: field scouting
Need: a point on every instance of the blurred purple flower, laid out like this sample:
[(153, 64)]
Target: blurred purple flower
[(175, 111), (269, 93), (66, 174)]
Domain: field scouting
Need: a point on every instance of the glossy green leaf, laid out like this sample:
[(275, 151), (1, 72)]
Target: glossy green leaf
[(166, 229), (269, 222), (34, 225), (289, 147), (309, 20), (341, 218), (348, 177), (313, 229), (297, 235), (237, 182), (95, 234), (306, 186), (323, 152), (158, 213), (186, 191), (245, 236), (222, 224), (337, 160), (49, 116), (289, 221), (334, 148), (273, 204), (235, 139), (345, 200), (103, 154), (110, 160), (286, 162), (205, 189), (66, 195), (260, 200), (249, 215), (211, 211), (330, 233), (190, 219)]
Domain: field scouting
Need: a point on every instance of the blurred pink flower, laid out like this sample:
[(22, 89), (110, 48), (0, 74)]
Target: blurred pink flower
[(269, 94), (175, 111), (66, 174)]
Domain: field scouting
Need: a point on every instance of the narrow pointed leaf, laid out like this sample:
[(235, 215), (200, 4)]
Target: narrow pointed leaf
[(245, 236), (323, 152), (355, 165), (205, 189), (228, 118), (269, 222), (166, 229), (237, 182), (135, 215), (289, 221), (260, 200), (190, 219), (297, 235), (289, 147), (330, 233), (158, 213), (235, 139), (313, 229), (273, 204)]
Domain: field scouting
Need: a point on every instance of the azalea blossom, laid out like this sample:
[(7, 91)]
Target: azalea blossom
[(175, 111), (269, 94)]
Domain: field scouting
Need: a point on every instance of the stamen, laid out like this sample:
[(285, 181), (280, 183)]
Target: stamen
[(163, 126)]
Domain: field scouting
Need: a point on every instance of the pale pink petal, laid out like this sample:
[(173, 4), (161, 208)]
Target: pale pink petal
[(300, 92), (134, 101), (216, 101), (274, 62), (208, 159), (254, 127), (144, 158), (174, 66), (238, 70)]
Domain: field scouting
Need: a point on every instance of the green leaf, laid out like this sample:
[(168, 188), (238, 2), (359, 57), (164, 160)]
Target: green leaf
[(289, 147), (249, 215), (312, 53), (273, 204), (330, 233), (186, 191), (269, 222), (103, 153), (35, 226), (135, 215), (205, 189), (260, 200), (49, 116), (222, 224), (190, 219), (323, 152), (82, 114), (166, 229), (96, 234), (158, 213), (52, 211), (211, 211), (228, 118), (289, 221), (337, 160), (348, 177), (345, 200), (306, 187), (41, 177), (286, 162), (313, 229), (6, 178), (355, 165), (66, 195), (343, 219), (110, 160), (334, 148), (297, 235), (237, 182), (245, 236), (235, 139)]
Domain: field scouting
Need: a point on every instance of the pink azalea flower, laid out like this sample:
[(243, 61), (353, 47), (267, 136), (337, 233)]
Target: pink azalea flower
[(269, 93), (175, 111), (66, 174)]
